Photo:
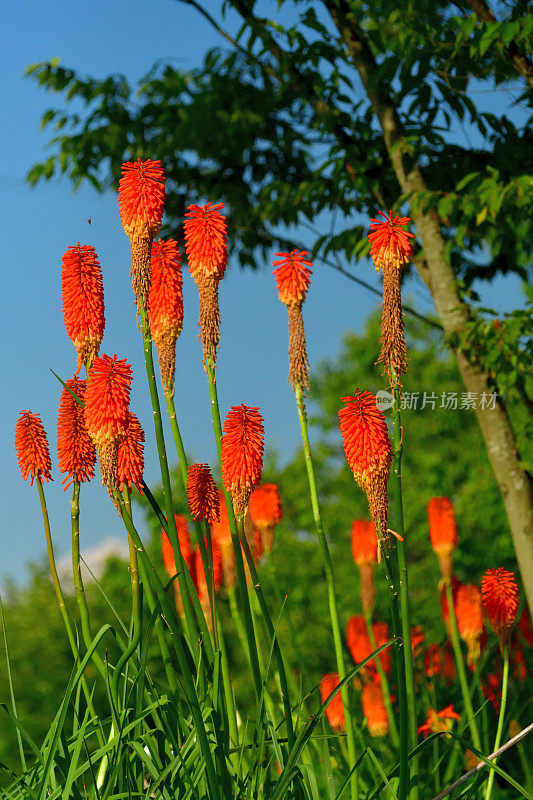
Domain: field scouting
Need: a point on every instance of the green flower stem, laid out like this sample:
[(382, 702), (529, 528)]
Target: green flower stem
[(461, 672), (165, 476), (78, 581), (184, 664), (501, 719), (403, 583), (385, 689), (436, 766), (228, 693), (337, 639), (61, 600), (135, 602)]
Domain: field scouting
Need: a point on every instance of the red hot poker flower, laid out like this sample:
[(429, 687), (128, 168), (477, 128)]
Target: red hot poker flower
[(335, 710), (220, 530), (107, 414), (470, 623), (368, 451), (390, 243), (76, 452), (500, 600), (83, 301), (374, 709), (185, 546), (204, 500), (165, 302), (141, 198), (266, 512), (31, 444), (364, 541), (439, 721), (442, 532), (361, 647), (205, 241), (292, 276), (131, 456), (242, 454)]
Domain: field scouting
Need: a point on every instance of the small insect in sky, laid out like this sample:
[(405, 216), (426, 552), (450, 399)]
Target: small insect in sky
[(88, 221)]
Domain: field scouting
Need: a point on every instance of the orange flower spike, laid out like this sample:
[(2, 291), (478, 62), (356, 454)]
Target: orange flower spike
[(374, 710), (141, 198), (107, 414), (202, 494), (76, 452), (390, 242), (131, 456), (360, 646), (442, 532), (364, 542), (206, 241), (31, 444), (242, 454), (165, 302), (141, 201), (201, 581), (292, 279), (368, 451), (292, 276), (185, 546), (83, 301), (220, 531), (417, 639), (266, 512), (470, 622), (500, 601), (439, 721), (335, 710), (381, 635)]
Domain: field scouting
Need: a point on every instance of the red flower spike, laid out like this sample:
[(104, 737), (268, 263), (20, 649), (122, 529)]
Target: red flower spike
[(76, 452), (500, 600), (242, 454), (374, 710), (266, 512), (360, 646), (206, 242), (185, 546), (141, 198), (439, 721), (83, 301), (204, 500), (364, 542), (165, 302), (107, 415), (470, 623), (368, 451), (442, 532), (292, 276), (131, 456), (31, 444), (335, 710), (390, 242)]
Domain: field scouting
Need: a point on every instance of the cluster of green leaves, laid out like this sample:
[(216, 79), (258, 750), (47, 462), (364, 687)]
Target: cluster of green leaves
[(276, 126)]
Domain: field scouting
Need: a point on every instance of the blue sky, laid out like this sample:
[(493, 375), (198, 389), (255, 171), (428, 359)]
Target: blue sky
[(39, 224)]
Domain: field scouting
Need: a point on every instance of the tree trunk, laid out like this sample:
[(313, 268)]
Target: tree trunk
[(513, 481)]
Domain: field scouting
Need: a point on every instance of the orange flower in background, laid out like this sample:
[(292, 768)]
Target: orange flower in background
[(220, 530), (201, 581), (131, 456), (390, 242), (335, 710), (242, 454), (31, 445), (417, 639), (374, 709), (368, 451), (107, 397), (292, 276), (76, 452), (470, 622), (165, 302), (500, 600), (439, 721), (185, 546), (292, 279), (381, 635), (442, 532), (83, 301), (432, 660), (364, 542), (141, 198), (202, 494), (525, 627), (266, 512), (206, 241), (361, 647)]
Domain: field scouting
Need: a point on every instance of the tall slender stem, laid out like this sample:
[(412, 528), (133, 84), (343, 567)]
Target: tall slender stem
[(403, 584), (337, 639), (461, 672), (501, 718)]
